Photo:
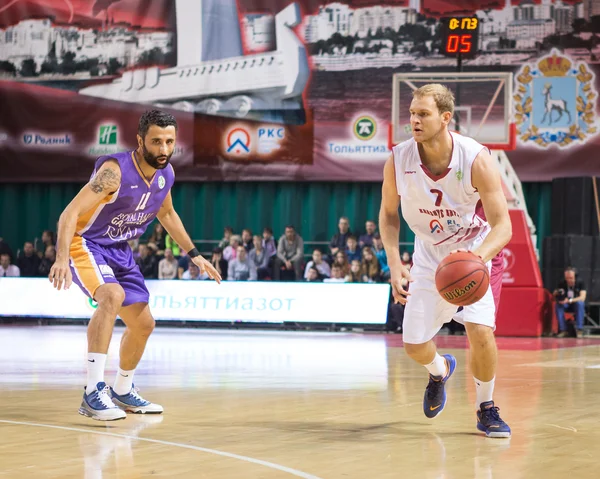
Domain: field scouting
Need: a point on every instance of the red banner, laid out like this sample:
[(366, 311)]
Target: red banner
[(281, 90)]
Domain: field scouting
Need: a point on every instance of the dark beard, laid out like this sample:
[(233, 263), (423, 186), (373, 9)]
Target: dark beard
[(153, 160)]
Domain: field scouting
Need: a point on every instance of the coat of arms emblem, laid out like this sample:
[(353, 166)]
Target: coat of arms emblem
[(555, 102)]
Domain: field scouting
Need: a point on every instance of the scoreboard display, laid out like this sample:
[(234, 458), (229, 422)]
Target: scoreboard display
[(460, 37)]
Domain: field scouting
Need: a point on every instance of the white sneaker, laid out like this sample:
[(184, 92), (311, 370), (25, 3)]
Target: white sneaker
[(133, 402), (99, 406)]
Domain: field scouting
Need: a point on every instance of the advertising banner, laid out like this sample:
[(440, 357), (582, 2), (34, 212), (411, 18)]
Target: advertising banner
[(285, 90), (246, 302)]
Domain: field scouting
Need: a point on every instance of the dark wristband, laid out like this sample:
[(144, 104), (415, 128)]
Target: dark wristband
[(193, 253)]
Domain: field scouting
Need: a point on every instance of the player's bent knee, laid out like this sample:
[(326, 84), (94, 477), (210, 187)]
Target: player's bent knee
[(416, 351), (110, 296), (146, 326)]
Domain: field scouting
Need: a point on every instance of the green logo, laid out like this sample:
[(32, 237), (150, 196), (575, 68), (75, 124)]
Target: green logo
[(161, 182), (91, 303), (365, 128), (107, 135), (459, 175)]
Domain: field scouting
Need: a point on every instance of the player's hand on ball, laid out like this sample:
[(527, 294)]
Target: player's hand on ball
[(207, 267), (60, 275), (400, 278)]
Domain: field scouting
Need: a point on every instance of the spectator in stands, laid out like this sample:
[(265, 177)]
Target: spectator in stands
[(48, 239), (247, 240), (147, 262), (406, 259), (317, 262), (570, 297), (227, 234), (135, 247), (290, 254), (183, 263), (338, 242), (5, 249), (7, 269), (219, 262), (173, 246), (47, 261), (230, 251), (167, 267), (241, 268), (337, 275), (269, 242), (260, 258), (370, 269), (193, 273), (367, 238), (341, 260), (381, 257), (355, 275), (28, 262), (352, 250), (159, 238), (312, 275)]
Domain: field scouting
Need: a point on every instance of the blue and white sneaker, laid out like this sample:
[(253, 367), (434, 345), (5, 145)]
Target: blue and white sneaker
[(435, 393), (490, 422), (133, 402), (99, 406)]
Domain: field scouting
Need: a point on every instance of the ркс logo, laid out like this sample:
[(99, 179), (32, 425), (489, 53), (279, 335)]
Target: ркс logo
[(238, 141), (365, 128)]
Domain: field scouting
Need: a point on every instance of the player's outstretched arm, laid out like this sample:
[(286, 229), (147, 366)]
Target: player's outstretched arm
[(106, 181), (171, 221), (389, 228), (486, 178)]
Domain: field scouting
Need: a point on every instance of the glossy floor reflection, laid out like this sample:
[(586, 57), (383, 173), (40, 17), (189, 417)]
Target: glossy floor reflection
[(247, 404)]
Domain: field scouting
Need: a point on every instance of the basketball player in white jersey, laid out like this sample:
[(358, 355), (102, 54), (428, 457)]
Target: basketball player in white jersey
[(451, 196)]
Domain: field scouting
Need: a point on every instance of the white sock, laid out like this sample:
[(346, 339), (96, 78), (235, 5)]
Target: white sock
[(438, 366), (485, 391), (123, 381), (95, 371)]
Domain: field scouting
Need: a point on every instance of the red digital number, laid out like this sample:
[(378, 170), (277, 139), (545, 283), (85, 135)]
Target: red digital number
[(465, 43), (452, 44), (455, 42)]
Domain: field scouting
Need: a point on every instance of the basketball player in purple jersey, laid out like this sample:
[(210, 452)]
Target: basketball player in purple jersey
[(125, 193), (451, 196)]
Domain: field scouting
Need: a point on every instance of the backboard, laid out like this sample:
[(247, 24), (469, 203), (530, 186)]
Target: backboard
[(483, 108)]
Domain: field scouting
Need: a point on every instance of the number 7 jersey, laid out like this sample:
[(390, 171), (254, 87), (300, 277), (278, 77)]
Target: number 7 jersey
[(125, 214), (444, 209)]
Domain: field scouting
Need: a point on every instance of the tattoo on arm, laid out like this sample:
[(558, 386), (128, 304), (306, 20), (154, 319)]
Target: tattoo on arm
[(106, 180)]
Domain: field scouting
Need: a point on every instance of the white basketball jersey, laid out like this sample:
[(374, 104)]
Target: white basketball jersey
[(440, 210)]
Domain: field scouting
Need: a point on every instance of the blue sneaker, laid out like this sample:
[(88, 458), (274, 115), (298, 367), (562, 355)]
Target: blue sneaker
[(490, 422), (133, 402), (99, 406), (435, 393)]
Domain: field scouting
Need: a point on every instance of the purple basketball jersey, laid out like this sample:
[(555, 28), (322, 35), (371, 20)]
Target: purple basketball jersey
[(126, 214)]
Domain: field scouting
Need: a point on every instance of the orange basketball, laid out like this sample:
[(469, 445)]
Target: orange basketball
[(462, 278)]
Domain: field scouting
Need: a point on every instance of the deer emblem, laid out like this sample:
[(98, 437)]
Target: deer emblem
[(551, 105)]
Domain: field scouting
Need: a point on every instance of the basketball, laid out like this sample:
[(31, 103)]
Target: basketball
[(462, 278)]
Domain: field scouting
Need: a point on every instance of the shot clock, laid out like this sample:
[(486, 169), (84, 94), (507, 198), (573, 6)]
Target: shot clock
[(460, 37)]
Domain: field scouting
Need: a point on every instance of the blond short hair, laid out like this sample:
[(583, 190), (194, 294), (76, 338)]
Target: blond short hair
[(443, 97)]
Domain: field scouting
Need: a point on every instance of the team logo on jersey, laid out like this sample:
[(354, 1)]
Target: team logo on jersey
[(106, 270), (555, 102), (459, 175), (436, 226), (452, 226), (365, 128), (161, 182)]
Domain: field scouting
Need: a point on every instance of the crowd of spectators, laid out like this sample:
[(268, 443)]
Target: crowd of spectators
[(349, 257)]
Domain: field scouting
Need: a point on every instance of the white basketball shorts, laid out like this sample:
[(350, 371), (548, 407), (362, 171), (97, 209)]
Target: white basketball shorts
[(426, 311)]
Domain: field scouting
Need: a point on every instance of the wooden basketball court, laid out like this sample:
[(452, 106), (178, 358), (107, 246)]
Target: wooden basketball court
[(252, 404)]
